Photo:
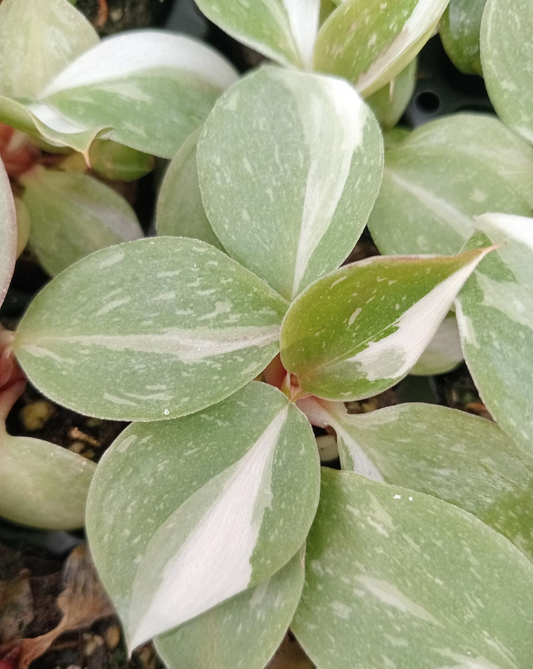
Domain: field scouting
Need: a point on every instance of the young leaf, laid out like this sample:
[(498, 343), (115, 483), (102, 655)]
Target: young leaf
[(444, 352), (73, 215), (460, 33), (245, 630), (494, 314), (284, 30), (359, 330), (505, 50), (484, 137), (8, 232), (149, 330), (429, 198), (38, 38), (184, 514), (399, 579), (180, 210), (289, 200), (117, 162), (390, 102), (369, 42), (151, 88)]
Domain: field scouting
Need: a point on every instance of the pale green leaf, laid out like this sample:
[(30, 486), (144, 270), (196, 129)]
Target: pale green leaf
[(444, 352), (393, 138), (485, 137), (73, 215), (290, 199), (429, 197), (459, 31), (185, 514), (506, 51), (23, 225), (180, 210), (494, 312), (38, 39), (284, 30), (399, 579), (117, 162), (359, 330), (8, 232), (148, 330), (369, 42), (243, 631), (326, 8), (390, 102)]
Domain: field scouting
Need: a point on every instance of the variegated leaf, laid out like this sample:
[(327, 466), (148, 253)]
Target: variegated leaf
[(185, 514), (459, 30), (243, 631), (359, 330), (494, 314), (429, 197), (390, 102), (38, 38), (396, 578), (73, 215), (484, 137), (180, 210), (444, 352), (506, 52), (284, 30), (8, 232), (289, 200), (369, 42), (149, 330)]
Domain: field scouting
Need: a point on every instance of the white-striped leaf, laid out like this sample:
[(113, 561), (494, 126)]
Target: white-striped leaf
[(243, 631), (460, 33), (180, 210), (429, 197), (284, 30), (390, 102), (149, 330), (289, 200), (38, 38), (396, 578), (359, 330), (494, 314), (444, 352), (73, 215), (369, 42), (506, 51), (8, 232), (185, 514)]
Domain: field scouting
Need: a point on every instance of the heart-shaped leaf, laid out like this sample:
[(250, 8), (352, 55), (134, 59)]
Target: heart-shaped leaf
[(149, 330), (73, 215), (369, 42), (289, 200), (390, 102), (184, 514), (399, 579), (8, 232), (359, 330), (444, 352), (459, 30)]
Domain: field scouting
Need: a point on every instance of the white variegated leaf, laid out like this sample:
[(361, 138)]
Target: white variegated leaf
[(289, 200), (396, 578), (185, 514), (8, 232), (147, 330), (444, 352), (390, 102), (359, 330), (494, 312)]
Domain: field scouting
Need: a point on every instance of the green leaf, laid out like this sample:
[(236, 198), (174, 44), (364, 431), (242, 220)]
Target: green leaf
[(444, 352), (23, 225), (506, 50), (399, 579), (245, 630), (494, 314), (8, 232), (390, 102), (185, 514), (369, 42), (289, 200), (284, 30), (149, 330), (117, 162), (359, 330), (180, 210), (38, 38), (484, 137), (459, 31), (429, 197), (73, 215)]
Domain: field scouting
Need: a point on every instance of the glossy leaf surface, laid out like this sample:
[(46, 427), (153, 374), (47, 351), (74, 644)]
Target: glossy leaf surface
[(459, 30), (8, 233)]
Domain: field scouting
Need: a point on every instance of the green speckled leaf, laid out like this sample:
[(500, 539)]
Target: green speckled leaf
[(396, 578), (459, 31), (185, 514), (8, 232), (390, 102), (73, 215), (359, 330), (148, 330), (429, 197), (444, 353), (290, 199)]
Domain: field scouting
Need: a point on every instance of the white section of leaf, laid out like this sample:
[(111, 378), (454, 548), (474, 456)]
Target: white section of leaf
[(53, 119), (518, 228), (444, 351), (303, 19), (8, 232)]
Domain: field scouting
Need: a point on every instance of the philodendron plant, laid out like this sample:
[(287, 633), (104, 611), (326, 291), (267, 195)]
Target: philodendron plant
[(226, 338)]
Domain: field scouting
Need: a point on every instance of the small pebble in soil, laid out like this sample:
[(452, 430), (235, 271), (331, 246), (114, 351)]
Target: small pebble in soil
[(34, 416), (112, 637)]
